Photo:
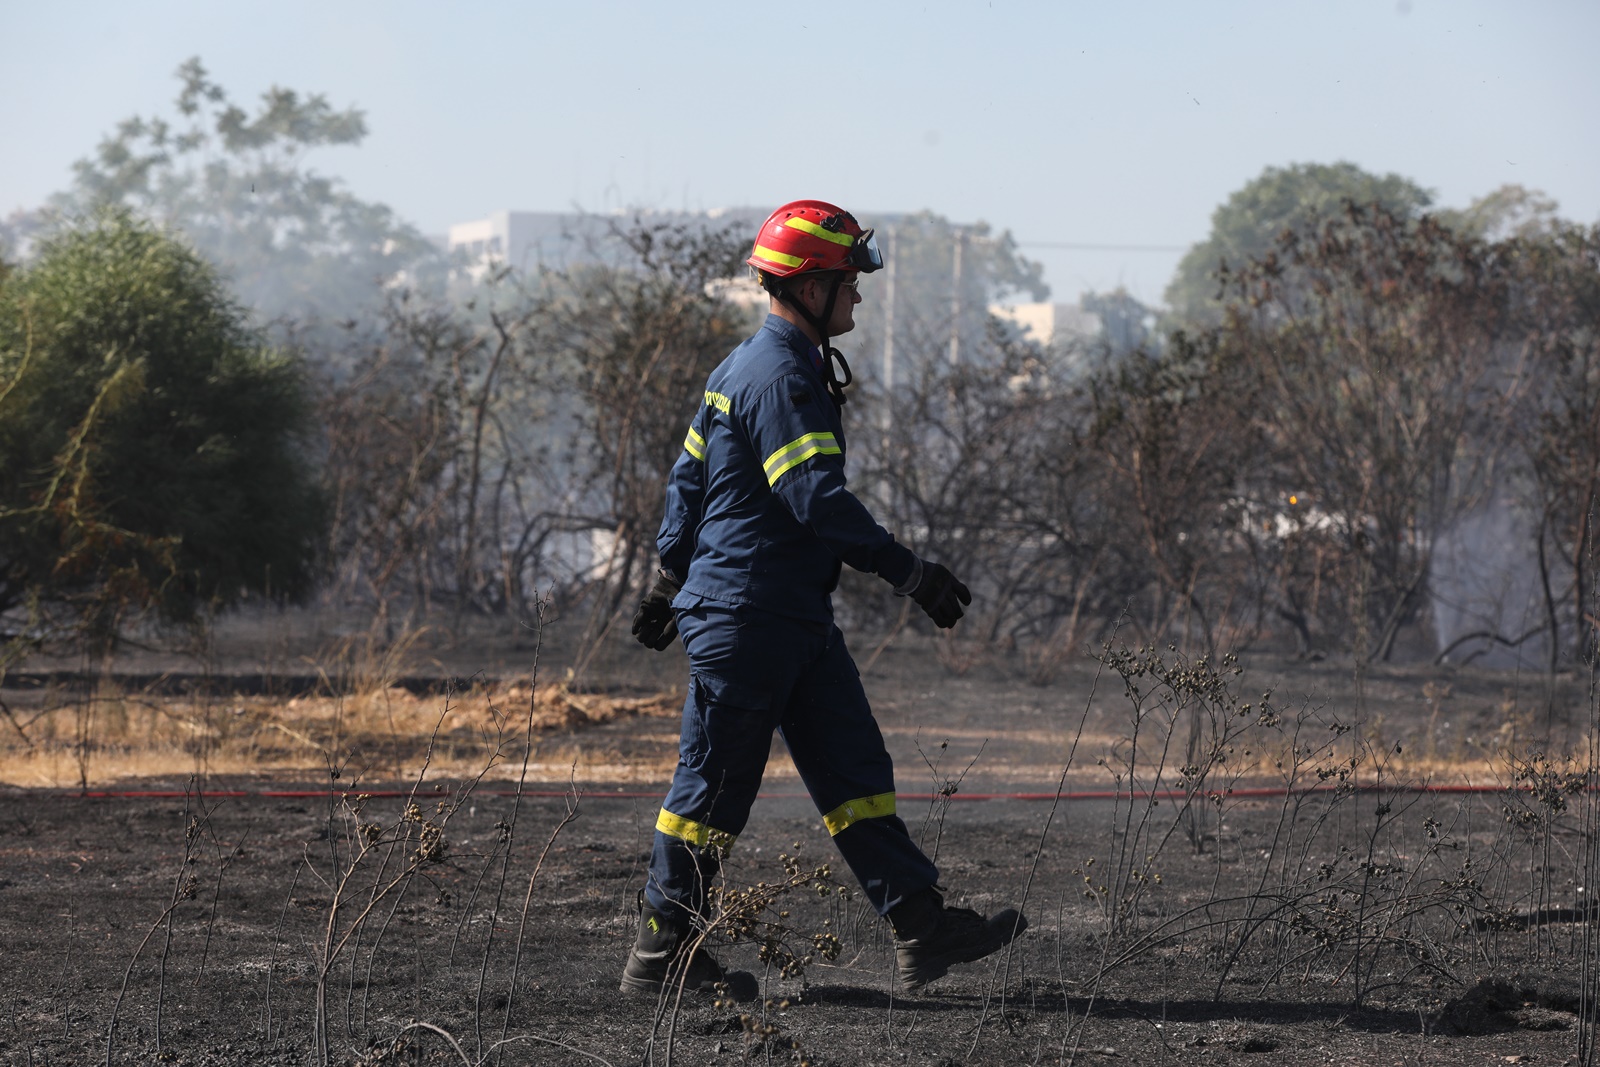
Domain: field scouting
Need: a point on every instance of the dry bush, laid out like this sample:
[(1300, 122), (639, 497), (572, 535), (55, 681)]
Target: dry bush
[(1384, 386)]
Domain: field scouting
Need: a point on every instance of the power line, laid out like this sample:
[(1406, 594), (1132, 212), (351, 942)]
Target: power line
[(1074, 246)]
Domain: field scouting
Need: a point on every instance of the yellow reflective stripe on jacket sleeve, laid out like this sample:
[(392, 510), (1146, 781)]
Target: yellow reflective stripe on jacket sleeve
[(817, 231), (774, 256), (695, 445), (853, 811), (696, 833), (812, 444)]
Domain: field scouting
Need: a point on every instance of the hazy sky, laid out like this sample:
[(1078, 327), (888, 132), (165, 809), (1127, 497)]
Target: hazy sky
[(1098, 124)]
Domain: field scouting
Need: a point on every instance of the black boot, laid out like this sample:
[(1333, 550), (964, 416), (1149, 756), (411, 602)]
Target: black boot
[(662, 958), (931, 938)]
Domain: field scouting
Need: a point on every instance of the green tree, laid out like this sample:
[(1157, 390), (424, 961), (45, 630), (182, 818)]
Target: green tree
[(150, 450), (292, 242), (1294, 198)]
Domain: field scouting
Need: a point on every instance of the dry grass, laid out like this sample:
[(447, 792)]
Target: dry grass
[(382, 734), (1035, 756)]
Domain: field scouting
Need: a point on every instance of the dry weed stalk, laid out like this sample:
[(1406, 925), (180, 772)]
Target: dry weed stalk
[(944, 790), (184, 887), (1364, 877), (755, 914), (414, 841)]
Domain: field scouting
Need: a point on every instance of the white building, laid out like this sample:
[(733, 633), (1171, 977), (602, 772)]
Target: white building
[(1050, 324), (528, 241)]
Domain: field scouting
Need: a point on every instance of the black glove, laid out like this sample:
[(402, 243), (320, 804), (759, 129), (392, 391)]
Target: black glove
[(939, 593), (655, 624)]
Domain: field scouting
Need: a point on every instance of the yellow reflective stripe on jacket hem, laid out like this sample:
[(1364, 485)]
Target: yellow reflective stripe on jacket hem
[(696, 833), (774, 256), (853, 811), (695, 445), (814, 230), (799, 451)]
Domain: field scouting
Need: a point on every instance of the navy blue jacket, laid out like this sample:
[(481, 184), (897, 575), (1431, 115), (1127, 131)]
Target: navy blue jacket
[(758, 513)]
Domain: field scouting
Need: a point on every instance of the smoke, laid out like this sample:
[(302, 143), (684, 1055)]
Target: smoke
[(1485, 582)]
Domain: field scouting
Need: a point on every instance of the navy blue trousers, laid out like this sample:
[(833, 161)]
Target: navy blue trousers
[(753, 672)]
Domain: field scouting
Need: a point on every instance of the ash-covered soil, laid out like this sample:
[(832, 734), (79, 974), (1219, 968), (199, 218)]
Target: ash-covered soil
[(1349, 927), (234, 977)]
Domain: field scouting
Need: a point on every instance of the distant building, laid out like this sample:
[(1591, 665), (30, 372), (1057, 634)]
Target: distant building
[(529, 241), (524, 240), (1050, 324)]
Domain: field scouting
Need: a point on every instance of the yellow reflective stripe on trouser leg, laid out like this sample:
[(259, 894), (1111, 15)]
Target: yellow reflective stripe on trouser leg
[(695, 445), (799, 451), (853, 811), (695, 833)]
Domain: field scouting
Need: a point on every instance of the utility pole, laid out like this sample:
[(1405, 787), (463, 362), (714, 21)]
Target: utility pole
[(886, 414), (888, 328), (955, 301)]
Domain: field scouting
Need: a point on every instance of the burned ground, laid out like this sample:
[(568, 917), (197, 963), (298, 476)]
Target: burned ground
[(1215, 925)]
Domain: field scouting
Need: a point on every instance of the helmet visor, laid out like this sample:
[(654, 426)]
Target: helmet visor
[(864, 255)]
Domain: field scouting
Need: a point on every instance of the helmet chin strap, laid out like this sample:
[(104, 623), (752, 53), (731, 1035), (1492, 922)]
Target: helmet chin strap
[(830, 354)]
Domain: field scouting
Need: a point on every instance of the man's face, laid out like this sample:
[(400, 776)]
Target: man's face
[(844, 307)]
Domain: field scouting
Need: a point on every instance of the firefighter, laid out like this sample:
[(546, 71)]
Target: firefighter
[(758, 521)]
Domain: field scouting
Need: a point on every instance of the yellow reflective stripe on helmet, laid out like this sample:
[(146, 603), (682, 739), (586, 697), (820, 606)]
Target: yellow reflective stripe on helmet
[(696, 833), (774, 256), (817, 231), (695, 445), (799, 451), (853, 811)]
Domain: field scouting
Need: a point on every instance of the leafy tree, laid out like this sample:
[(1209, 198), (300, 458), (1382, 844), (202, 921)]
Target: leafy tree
[(292, 242), (149, 444), (1294, 198)]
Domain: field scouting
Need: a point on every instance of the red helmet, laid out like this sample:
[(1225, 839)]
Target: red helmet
[(804, 236)]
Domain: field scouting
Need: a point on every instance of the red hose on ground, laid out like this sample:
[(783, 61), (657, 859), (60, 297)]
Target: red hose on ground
[(656, 794)]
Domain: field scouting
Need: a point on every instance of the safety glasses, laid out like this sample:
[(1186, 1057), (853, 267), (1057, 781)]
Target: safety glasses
[(826, 280)]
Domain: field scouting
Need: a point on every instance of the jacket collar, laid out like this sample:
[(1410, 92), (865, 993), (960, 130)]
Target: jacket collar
[(796, 339)]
